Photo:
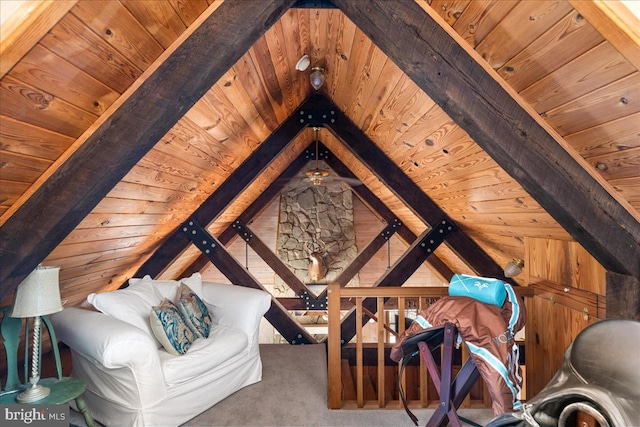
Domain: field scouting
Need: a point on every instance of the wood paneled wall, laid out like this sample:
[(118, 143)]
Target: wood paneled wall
[(570, 288)]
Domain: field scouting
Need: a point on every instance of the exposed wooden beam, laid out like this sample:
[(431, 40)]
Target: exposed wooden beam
[(423, 247), (298, 304), (366, 254), (270, 258), (469, 91), (231, 188), (314, 4), (623, 297), (254, 209), (162, 257), (277, 315), (407, 191), (371, 200), (130, 130)]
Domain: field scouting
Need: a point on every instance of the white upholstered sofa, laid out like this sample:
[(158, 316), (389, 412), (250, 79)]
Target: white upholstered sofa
[(133, 381)]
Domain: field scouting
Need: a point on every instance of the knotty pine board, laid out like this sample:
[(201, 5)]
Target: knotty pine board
[(617, 165), (82, 249), (68, 83), (23, 138), (339, 64), (607, 137), (118, 27), (629, 188), (159, 18), (552, 325), (19, 168), (479, 19), (51, 113), (565, 262), (549, 331), (597, 107), (283, 54), (231, 90), (568, 39), (577, 78), (72, 40), (450, 10), (522, 25)]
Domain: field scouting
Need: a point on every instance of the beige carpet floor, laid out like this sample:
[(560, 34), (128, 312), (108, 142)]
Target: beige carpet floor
[(293, 393)]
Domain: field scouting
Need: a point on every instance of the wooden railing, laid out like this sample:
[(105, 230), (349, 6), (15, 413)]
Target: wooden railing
[(385, 297)]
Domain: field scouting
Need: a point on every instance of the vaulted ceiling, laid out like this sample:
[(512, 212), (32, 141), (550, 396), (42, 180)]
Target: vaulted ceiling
[(120, 120)]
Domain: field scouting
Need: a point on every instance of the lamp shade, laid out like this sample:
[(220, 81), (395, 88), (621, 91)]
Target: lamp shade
[(38, 294)]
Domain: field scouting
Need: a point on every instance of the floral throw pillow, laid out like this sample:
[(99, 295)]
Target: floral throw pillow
[(194, 310), (169, 327)]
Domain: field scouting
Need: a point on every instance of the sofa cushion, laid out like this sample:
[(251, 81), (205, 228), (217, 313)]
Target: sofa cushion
[(169, 327), (195, 312), (131, 305), (169, 288), (204, 355)]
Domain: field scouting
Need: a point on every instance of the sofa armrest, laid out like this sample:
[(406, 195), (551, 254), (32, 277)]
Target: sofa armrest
[(237, 306), (113, 344)]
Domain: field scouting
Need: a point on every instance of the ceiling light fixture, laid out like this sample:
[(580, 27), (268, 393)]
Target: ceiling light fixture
[(316, 175), (317, 77), (513, 267)]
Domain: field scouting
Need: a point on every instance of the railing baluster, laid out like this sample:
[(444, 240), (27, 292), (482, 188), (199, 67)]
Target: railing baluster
[(335, 294), (401, 328), (424, 378), (359, 370), (380, 345)]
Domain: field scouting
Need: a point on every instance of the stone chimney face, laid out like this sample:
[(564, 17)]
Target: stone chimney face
[(318, 217)]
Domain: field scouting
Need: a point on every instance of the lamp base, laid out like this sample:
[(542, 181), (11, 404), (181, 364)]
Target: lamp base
[(33, 394)]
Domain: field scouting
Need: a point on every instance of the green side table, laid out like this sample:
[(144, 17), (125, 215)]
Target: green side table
[(63, 390)]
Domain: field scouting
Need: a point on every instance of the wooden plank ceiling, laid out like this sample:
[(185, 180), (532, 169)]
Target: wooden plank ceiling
[(119, 119)]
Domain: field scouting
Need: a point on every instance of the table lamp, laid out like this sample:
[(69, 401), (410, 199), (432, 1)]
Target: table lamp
[(37, 295)]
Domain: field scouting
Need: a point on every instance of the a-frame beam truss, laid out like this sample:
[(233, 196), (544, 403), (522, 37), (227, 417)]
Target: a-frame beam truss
[(277, 315), (316, 109), (403, 268), (270, 258), (448, 72)]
